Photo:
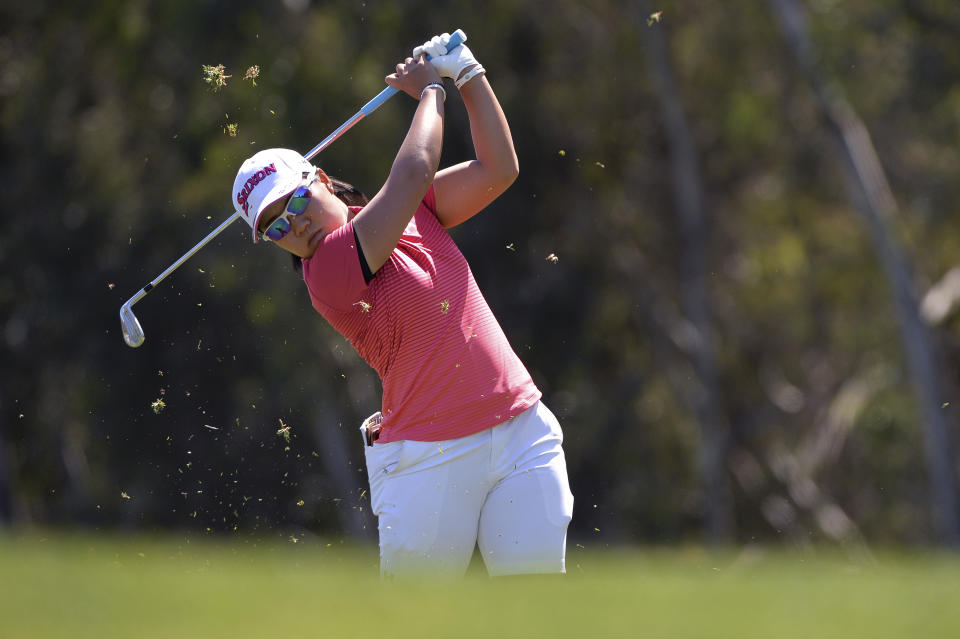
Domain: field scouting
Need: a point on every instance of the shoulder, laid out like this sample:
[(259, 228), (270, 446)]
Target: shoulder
[(333, 274)]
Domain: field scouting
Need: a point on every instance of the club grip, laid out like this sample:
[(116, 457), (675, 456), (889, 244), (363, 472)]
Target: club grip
[(457, 38)]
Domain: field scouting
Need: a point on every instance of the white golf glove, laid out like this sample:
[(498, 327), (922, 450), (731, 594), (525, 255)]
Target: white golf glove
[(449, 64)]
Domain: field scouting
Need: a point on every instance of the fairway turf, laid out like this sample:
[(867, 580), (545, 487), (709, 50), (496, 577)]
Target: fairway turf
[(97, 586)]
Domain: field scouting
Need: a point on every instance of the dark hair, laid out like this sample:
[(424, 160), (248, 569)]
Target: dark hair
[(349, 195)]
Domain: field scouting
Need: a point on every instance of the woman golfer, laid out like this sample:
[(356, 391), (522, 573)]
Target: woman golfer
[(463, 452)]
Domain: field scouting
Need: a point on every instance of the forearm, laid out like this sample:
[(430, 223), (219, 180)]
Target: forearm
[(463, 190), (419, 154), (492, 141), (380, 224)]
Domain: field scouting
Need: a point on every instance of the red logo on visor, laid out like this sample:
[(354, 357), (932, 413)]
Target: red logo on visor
[(251, 183)]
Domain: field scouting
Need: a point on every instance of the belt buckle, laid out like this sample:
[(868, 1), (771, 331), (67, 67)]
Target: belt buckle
[(371, 428)]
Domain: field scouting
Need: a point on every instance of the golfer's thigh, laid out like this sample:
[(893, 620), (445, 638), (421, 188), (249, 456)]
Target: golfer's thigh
[(523, 525), (427, 512)]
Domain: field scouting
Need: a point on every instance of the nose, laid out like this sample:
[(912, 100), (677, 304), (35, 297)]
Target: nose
[(299, 224)]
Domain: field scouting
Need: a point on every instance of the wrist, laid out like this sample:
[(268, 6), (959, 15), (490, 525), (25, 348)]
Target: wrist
[(434, 85), (469, 75)]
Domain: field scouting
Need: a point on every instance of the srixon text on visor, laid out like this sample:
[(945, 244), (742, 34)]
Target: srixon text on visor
[(250, 184)]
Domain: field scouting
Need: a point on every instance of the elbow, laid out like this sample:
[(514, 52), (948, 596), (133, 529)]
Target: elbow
[(507, 174), (502, 170), (417, 169), (425, 172), (514, 171), (511, 167)]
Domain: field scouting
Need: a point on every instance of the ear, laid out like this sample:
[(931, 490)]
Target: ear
[(323, 177)]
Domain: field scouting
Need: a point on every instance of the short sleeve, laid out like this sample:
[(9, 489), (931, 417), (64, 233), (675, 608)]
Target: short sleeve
[(333, 275)]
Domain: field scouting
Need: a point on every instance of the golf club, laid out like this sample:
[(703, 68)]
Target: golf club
[(132, 330)]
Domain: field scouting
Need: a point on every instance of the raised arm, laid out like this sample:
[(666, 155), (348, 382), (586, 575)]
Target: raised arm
[(463, 190), (381, 223)]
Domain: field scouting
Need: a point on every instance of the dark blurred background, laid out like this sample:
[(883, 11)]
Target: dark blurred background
[(750, 330)]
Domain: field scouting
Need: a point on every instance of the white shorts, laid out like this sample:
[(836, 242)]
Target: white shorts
[(504, 488)]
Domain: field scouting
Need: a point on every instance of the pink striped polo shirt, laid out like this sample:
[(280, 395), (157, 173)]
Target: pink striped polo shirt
[(446, 366)]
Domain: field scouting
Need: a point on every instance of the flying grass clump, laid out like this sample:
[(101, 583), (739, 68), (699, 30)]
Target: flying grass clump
[(215, 76), (284, 431)]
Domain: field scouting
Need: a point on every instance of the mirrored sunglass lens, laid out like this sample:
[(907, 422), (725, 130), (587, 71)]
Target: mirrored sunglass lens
[(298, 203), (278, 229)]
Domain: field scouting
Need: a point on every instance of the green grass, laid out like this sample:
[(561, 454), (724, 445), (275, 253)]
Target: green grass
[(97, 586)]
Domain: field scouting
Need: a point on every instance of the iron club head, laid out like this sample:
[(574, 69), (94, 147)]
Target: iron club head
[(132, 331)]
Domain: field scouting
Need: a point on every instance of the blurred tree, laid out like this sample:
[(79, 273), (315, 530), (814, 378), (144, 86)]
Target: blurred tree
[(117, 157), (6, 493), (873, 197), (699, 344)]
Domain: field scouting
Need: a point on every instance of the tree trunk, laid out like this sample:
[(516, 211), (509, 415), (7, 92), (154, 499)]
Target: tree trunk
[(6, 492), (873, 197), (332, 434), (692, 221)]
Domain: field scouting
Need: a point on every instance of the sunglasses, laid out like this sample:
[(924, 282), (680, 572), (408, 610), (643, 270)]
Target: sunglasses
[(297, 204)]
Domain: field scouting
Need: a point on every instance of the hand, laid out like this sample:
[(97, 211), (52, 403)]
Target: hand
[(412, 75), (449, 64)]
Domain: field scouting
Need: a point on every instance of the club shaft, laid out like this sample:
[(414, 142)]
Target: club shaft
[(186, 256), (456, 39), (367, 109)]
